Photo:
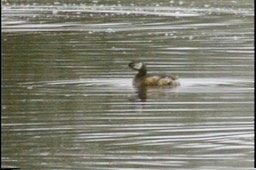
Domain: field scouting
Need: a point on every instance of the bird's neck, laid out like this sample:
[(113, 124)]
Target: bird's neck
[(141, 73)]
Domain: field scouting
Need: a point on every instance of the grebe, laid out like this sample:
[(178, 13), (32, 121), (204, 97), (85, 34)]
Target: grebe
[(142, 79)]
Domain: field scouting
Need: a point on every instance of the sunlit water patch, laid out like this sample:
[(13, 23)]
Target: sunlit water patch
[(110, 86), (77, 13), (127, 83)]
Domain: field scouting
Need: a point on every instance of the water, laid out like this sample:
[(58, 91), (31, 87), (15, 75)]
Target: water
[(68, 99)]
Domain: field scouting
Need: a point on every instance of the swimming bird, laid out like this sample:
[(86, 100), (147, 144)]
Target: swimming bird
[(142, 79)]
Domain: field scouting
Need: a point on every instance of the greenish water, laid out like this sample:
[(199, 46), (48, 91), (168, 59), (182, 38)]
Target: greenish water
[(68, 100)]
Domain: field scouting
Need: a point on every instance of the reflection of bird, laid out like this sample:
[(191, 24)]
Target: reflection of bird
[(142, 79)]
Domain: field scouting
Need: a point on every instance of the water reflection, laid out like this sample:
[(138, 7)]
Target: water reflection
[(144, 93), (141, 93)]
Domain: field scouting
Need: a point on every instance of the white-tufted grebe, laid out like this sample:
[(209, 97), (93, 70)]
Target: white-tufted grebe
[(142, 79)]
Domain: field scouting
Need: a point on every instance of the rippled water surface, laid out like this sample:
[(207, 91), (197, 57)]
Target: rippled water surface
[(68, 99)]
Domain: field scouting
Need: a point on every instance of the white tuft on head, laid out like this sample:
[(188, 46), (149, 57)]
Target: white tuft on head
[(138, 65)]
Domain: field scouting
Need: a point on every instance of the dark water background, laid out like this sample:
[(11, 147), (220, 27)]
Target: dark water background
[(68, 102)]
